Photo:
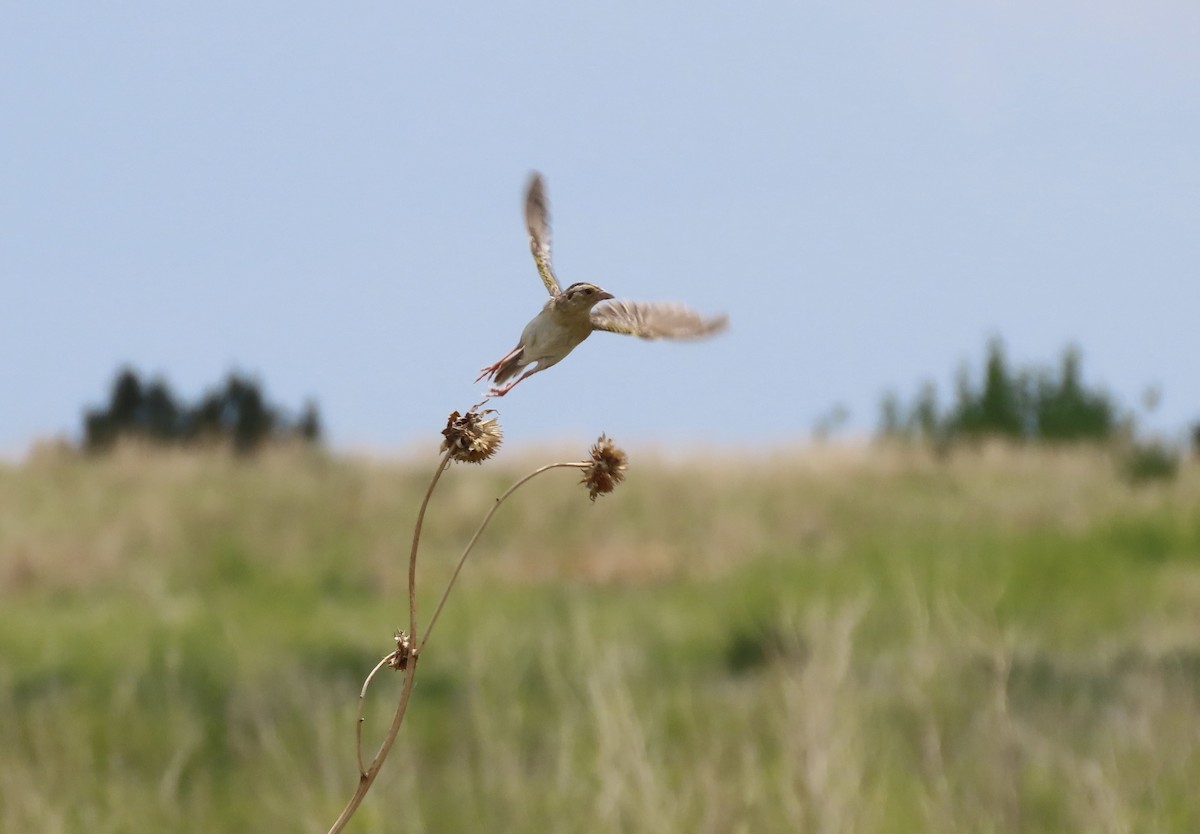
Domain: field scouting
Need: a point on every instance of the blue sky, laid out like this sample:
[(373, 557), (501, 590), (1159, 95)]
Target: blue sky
[(328, 197)]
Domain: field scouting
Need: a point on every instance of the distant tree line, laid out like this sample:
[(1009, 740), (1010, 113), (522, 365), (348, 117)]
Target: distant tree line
[(1032, 403), (236, 414)]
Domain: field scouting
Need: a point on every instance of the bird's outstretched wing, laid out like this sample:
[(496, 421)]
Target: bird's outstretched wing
[(655, 321), (537, 220)]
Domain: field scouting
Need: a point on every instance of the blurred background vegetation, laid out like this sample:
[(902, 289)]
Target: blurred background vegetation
[(983, 621), (1028, 404), (236, 415), (1035, 404)]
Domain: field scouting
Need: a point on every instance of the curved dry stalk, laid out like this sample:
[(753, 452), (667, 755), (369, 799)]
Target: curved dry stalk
[(362, 701), (366, 777), (483, 525), (416, 541)]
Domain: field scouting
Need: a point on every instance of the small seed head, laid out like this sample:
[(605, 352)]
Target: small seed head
[(607, 468), (472, 437), (398, 660)]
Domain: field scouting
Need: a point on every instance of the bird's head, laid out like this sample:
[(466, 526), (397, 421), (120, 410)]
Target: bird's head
[(583, 296)]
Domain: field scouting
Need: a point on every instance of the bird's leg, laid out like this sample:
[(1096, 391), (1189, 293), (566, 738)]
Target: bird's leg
[(490, 370), (495, 391)]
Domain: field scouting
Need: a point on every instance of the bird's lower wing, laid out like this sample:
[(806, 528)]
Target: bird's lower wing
[(537, 220), (655, 320)]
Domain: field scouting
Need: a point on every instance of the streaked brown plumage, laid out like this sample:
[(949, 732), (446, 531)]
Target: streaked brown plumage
[(571, 315)]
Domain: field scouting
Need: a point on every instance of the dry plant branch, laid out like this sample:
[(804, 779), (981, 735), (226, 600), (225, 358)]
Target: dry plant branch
[(362, 700), (472, 438), (399, 659), (416, 543), (483, 526)]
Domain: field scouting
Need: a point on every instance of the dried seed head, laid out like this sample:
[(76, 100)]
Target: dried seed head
[(607, 468), (470, 437), (399, 659)]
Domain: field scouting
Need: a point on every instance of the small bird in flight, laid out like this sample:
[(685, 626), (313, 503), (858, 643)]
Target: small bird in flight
[(572, 314)]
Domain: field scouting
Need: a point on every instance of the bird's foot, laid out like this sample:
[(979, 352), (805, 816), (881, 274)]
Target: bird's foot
[(490, 370)]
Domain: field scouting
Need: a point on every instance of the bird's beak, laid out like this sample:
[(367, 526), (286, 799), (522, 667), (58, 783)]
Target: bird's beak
[(603, 295)]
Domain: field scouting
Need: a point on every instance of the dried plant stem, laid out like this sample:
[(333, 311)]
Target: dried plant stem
[(362, 701), (367, 777), (475, 538), (416, 541)]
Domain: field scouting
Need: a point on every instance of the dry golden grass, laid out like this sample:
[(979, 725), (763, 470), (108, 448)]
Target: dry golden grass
[(826, 640)]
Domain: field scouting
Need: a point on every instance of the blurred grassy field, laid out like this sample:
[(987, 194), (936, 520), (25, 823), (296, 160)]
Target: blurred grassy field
[(829, 641)]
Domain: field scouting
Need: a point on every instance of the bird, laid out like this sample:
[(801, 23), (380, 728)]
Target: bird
[(573, 314)]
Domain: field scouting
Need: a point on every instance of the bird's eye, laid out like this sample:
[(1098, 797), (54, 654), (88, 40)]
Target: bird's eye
[(588, 290)]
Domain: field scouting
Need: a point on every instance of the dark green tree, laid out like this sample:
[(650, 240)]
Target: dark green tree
[(1032, 403), (237, 413), (160, 416), (254, 420), (996, 409), (125, 404), (1066, 411)]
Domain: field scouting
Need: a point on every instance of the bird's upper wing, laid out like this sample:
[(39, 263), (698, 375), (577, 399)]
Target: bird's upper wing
[(537, 220), (655, 321)]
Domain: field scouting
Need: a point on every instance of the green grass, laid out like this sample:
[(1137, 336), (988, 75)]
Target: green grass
[(829, 641)]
